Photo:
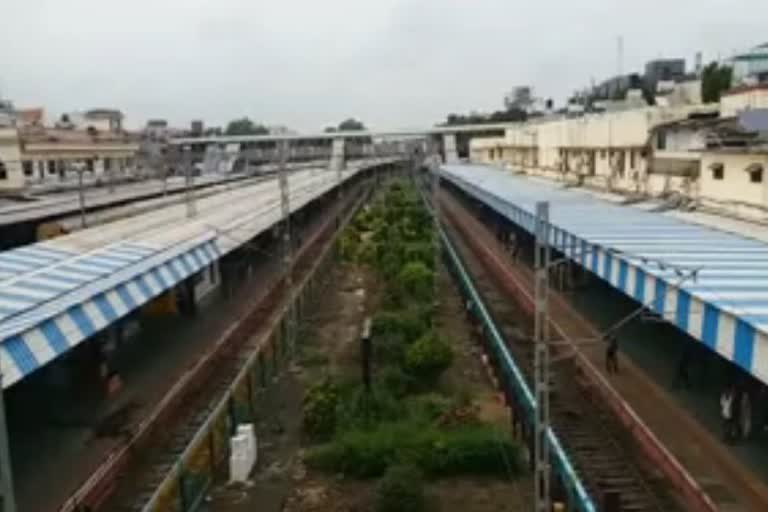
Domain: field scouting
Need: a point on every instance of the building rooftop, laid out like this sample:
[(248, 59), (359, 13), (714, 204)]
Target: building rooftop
[(32, 135)]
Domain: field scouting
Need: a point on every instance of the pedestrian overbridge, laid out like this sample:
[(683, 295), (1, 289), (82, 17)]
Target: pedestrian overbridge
[(451, 142)]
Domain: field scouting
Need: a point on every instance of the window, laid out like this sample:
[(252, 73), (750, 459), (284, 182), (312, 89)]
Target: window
[(661, 140), (718, 171), (631, 158), (491, 154), (28, 168), (602, 154), (51, 166), (755, 173), (3, 171), (89, 165)]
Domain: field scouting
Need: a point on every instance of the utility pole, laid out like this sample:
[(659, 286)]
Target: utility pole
[(8, 503), (541, 360), (285, 207), (189, 196), (80, 193), (111, 176)]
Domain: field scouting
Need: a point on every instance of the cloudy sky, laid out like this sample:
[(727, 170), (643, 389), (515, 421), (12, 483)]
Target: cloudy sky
[(310, 63)]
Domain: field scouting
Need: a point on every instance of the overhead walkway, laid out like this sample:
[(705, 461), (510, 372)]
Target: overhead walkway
[(55, 294), (709, 283)]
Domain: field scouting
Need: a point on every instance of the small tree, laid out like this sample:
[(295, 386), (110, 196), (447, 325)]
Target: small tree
[(351, 125), (715, 79), (244, 126), (427, 358)]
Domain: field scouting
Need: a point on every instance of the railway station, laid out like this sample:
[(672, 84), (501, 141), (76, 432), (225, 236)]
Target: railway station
[(294, 260)]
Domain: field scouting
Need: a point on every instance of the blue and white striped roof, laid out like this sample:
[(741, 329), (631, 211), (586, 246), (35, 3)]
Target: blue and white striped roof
[(55, 294), (51, 300), (644, 254)]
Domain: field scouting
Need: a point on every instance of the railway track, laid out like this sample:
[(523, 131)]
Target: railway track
[(602, 453), (192, 401)]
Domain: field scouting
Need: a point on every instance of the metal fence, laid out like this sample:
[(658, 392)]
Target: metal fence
[(512, 381)]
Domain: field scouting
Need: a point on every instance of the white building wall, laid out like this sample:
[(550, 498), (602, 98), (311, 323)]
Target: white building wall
[(735, 187), (734, 103), (10, 157)]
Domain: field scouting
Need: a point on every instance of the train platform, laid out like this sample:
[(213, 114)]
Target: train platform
[(56, 294), (61, 445), (685, 421)]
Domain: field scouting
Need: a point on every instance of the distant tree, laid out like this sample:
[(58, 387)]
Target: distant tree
[(549, 104), (351, 125), (500, 116), (245, 126), (329, 129), (715, 79)]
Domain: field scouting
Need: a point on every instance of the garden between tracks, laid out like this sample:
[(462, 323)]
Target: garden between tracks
[(429, 433)]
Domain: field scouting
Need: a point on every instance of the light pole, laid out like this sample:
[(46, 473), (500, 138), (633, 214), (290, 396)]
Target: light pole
[(543, 499), (79, 169), (189, 196), (285, 207), (8, 497)]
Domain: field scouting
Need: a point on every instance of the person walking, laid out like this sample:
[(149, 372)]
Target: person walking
[(612, 353)]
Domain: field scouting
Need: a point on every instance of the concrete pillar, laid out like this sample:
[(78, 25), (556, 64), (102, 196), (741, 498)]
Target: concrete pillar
[(449, 148), (337, 155)]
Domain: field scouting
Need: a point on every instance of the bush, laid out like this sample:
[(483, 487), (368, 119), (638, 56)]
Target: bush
[(395, 381), (320, 405), (400, 490), (361, 409), (427, 358), (415, 281), (469, 449), (429, 407), (393, 330)]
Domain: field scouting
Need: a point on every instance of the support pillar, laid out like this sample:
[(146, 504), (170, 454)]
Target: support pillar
[(449, 148)]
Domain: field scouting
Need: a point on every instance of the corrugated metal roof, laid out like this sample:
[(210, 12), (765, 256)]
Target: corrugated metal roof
[(57, 293), (643, 254)]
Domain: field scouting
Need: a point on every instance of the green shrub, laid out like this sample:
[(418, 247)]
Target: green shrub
[(400, 490), (348, 245), (394, 330), (465, 450), (415, 281), (427, 358), (395, 381), (320, 405), (428, 407), (360, 409)]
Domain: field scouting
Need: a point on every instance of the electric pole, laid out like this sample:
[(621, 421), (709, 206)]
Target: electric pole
[(541, 360), (79, 168), (285, 208), (189, 196), (8, 503)]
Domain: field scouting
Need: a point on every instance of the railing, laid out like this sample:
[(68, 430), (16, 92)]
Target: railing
[(513, 381), (576, 494)]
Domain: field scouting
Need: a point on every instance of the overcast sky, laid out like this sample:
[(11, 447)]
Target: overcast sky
[(310, 63)]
